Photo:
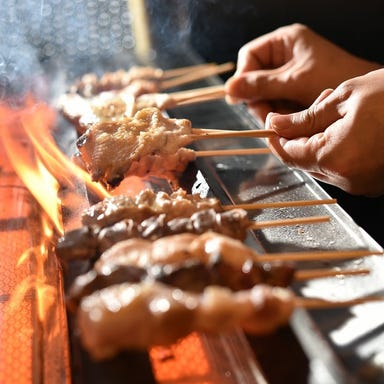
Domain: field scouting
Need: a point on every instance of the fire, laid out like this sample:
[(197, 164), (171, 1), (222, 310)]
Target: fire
[(35, 302), (36, 158), (35, 282), (37, 298)]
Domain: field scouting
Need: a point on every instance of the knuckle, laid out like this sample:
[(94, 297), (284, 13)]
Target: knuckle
[(308, 118)]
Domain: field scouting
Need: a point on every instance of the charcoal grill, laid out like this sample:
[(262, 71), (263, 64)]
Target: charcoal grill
[(51, 43)]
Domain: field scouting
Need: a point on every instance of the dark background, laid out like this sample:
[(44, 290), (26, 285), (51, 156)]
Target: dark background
[(219, 28)]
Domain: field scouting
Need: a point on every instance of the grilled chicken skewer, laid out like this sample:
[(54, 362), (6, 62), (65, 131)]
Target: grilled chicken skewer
[(139, 80), (88, 242), (137, 316), (114, 105), (146, 144), (227, 263), (235, 292)]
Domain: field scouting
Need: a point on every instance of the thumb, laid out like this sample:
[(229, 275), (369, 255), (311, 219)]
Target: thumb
[(305, 123)]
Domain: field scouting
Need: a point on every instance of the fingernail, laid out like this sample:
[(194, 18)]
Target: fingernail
[(232, 100), (269, 120)]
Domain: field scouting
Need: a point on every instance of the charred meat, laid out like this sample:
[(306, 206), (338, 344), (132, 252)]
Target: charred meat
[(146, 204), (147, 143), (89, 242)]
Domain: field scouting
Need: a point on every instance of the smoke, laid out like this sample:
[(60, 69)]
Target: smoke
[(42, 39)]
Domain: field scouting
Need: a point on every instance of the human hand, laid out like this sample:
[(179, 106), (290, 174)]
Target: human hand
[(340, 138), (287, 69)]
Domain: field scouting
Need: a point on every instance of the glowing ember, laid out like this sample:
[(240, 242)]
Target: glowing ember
[(181, 361)]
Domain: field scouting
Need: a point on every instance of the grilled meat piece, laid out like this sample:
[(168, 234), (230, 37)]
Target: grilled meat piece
[(187, 261), (147, 143), (209, 248), (190, 275), (137, 316), (85, 112), (146, 204), (90, 84), (89, 242), (108, 106)]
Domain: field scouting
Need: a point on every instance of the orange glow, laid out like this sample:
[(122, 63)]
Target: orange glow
[(30, 311), (182, 361), (33, 327)]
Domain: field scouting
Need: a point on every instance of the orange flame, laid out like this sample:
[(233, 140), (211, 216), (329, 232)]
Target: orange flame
[(31, 151), (39, 163)]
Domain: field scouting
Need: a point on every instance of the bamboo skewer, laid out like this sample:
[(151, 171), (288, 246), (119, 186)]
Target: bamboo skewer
[(199, 99), (302, 275), (233, 152), (174, 72), (279, 204), (197, 92), (197, 95), (197, 75), (315, 303), (202, 134), (294, 221), (317, 255)]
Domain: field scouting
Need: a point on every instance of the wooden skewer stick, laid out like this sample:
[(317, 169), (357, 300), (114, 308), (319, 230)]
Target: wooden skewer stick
[(171, 100), (314, 303), (197, 75), (200, 99), (294, 221), (201, 134), (233, 152), (169, 73), (198, 95), (317, 255), (279, 204), (197, 92), (323, 273)]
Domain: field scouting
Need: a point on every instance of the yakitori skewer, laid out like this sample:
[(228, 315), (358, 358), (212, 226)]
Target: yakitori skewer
[(309, 274), (316, 303), (141, 80), (279, 204), (119, 104), (202, 134), (165, 101), (146, 144), (152, 272), (197, 75), (174, 72), (233, 152), (287, 222), (197, 93), (318, 255)]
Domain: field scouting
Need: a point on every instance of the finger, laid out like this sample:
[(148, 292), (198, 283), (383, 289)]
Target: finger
[(232, 100), (299, 153), (307, 122), (260, 85), (267, 51), (261, 109), (323, 95)]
